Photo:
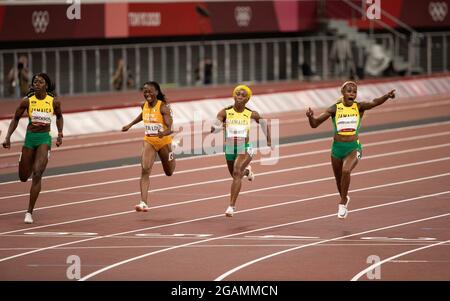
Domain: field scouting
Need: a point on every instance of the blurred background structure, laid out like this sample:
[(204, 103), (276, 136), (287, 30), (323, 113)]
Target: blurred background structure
[(188, 43)]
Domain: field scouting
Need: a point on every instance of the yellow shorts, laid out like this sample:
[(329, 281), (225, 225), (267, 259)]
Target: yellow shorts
[(157, 142)]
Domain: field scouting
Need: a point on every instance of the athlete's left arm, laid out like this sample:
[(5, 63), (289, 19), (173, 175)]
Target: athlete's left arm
[(59, 120), (166, 112), (264, 124), (377, 101)]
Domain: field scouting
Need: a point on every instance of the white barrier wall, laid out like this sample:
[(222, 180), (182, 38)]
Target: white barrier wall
[(112, 120)]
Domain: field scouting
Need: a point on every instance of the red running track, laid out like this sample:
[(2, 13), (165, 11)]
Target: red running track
[(285, 228)]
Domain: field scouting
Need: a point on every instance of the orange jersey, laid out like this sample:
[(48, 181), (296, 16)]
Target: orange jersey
[(154, 122), (153, 119)]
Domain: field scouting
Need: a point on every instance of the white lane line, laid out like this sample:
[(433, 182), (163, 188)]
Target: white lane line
[(419, 261), (221, 154), (280, 237), (109, 267), (398, 239), (240, 267), (261, 238), (221, 215), (60, 234), (344, 244), (375, 265), (228, 179)]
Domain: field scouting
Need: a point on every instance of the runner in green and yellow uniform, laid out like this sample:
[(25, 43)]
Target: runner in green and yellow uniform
[(236, 121), (40, 104), (346, 115)]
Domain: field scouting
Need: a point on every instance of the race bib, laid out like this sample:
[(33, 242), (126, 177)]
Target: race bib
[(153, 128), (347, 124), (41, 118), (236, 131)]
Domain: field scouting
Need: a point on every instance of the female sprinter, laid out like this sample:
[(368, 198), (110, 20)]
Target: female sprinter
[(157, 118), (40, 104), (236, 121), (346, 150)]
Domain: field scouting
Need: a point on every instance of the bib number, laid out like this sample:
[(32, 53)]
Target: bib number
[(347, 124), (234, 131), (41, 118), (153, 128)]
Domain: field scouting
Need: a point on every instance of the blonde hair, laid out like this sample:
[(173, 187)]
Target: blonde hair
[(245, 88), (350, 82)]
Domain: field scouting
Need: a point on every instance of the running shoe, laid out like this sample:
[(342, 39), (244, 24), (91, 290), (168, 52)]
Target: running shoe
[(28, 218), (230, 211), (142, 207), (342, 209), (251, 175)]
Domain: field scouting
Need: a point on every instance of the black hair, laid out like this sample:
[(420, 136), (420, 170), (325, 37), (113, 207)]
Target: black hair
[(160, 95), (50, 85)]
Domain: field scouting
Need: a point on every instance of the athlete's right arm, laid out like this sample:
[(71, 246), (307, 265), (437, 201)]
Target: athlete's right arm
[(15, 121), (315, 122), (136, 120), (218, 123)]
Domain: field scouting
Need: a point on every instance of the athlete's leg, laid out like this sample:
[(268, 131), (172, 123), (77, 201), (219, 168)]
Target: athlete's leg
[(39, 165), (167, 159), (26, 163), (337, 170), (240, 164), (349, 163), (230, 165), (148, 158), (230, 157)]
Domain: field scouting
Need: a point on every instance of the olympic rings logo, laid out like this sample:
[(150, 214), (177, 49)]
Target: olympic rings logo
[(243, 15), (40, 20), (438, 10)]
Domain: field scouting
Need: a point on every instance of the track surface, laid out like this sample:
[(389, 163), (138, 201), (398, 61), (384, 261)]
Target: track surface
[(286, 226)]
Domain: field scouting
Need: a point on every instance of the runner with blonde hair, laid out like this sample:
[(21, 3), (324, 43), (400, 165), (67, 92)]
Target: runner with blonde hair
[(236, 121)]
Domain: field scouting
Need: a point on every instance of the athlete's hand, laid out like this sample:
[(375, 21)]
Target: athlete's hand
[(391, 94), (7, 143), (59, 140), (309, 113), (126, 128)]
